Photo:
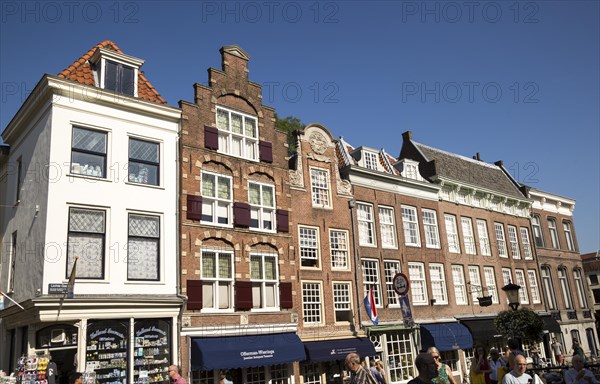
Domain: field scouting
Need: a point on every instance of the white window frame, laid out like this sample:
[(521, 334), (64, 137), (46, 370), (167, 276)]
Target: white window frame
[(218, 281), (88, 267), (460, 287), (577, 278), (548, 287), (387, 227), (490, 282), (501, 240), (410, 223), (391, 268), (122, 60), (513, 239), (218, 205), (507, 276), (452, 233), (263, 212), (227, 136), (342, 300), (475, 280), (261, 284), (371, 161), (138, 168), (563, 281), (484, 238), (366, 224), (430, 227), (437, 277), (418, 283), (538, 237), (135, 255), (569, 235), (371, 277), (309, 246), (338, 244), (536, 297), (527, 252), (553, 233), (520, 280), (315, 303), (320, 187), (468, 236), (94, 170)]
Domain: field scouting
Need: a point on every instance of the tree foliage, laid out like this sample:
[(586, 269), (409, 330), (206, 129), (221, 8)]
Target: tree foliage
[(291, 125), (522, 323)]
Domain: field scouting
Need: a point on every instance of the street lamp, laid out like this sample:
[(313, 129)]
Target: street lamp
[(512, 293)]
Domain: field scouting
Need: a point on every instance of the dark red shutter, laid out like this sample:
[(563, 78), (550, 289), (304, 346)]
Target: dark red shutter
[(194, 207), (283, 224), (241, 214), (285, 295), (266, 151), (194, 294), (211, 137), (243, 295)]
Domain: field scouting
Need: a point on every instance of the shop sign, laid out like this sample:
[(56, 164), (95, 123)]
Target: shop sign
[(57, 288)]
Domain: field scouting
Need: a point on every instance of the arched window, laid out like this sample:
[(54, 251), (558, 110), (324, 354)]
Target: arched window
[(577, 276), (537, 231), (548, 287), (563, 280), (569, 235)]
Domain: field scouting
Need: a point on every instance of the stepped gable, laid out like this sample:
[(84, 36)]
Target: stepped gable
[(81, 72)]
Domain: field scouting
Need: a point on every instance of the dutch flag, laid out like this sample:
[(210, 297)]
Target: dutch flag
[(370, 306)]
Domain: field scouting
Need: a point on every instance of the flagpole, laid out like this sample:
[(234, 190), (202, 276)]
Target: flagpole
[(9, 298)]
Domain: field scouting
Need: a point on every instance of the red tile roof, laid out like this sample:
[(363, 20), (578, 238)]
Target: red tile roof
[(81, 72)]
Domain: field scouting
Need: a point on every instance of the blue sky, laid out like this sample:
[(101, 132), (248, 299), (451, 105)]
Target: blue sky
[(516, 81)]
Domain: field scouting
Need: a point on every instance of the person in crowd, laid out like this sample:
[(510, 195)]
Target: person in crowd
[(359, 374), (515, 349), (444, 372), (496, 365), (557, 350), (175, 376), (76, 378), (376, 372), (577, 350), (480, 367), (427, 368), (224, 378), (381, 370), (517, 375), (577, 374)]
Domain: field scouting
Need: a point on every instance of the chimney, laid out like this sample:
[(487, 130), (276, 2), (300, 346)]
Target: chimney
[(406, 136), (476, 157)]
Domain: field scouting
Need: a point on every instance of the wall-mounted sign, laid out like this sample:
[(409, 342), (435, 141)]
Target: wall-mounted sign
[(57, 288), (401, 284)]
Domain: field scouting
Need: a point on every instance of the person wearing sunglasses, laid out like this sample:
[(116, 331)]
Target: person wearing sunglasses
[(444, 372)]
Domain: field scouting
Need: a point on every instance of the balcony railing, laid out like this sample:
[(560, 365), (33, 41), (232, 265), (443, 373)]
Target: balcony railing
[(572, 315)]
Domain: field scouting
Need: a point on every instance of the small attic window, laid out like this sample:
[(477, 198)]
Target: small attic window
[(410, 169), (370, 160), (116, 71)]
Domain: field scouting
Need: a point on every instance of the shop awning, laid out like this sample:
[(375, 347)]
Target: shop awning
[(246, 351), (330, 350), (551, 325), (481, 329), (446, 336)]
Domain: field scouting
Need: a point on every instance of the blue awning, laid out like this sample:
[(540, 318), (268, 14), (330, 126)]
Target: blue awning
[(446, 336), (330, 350), (245, 351)]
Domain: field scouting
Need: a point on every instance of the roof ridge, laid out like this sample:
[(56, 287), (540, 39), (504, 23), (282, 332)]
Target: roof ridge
[(479, 162), (86, 56)]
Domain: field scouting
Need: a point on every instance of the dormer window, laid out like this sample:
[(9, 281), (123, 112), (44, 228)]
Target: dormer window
[(409, 169), (116, 72), (370, 160)]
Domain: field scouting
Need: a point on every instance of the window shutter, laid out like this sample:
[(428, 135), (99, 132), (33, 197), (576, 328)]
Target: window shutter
[(283, 224), (285, 295), (266, 151), (194, 207), (241, 214), (243, 295), (194, 294), (211, 137)]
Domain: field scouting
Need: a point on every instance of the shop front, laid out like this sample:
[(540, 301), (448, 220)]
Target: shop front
[(325, 359), (252, 359), (396, 345), (133, 347)]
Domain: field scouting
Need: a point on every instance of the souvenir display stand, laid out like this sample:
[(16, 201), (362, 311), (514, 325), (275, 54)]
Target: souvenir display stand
[(32, 369), (151, 352)]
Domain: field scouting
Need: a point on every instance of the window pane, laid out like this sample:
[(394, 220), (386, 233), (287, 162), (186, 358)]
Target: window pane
[(254, 193), (88, 140), (236, 123), (222, 120), (127, 80), (250, 125), (208, 185), (110, 75), (208, 265)]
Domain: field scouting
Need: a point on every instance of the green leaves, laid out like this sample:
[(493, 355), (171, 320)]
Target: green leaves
[(522, 323)]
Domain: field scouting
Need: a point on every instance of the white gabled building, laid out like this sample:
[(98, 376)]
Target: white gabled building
[(90, 171)]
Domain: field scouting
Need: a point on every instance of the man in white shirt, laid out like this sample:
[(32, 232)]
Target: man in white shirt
[(495, 363), (518, 375), (577, 374)]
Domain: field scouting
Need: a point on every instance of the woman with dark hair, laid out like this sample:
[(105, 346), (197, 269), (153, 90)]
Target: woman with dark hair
[(76, 378), (480, 367)]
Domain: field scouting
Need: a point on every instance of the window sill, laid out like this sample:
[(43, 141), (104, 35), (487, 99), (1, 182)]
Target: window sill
[(323, 207), (433, 247), (89, 177), (367, 245), (389, 247), (216, 225), (413, 245), (265, 310), (262, 230), (144, 185), (142, 282)]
